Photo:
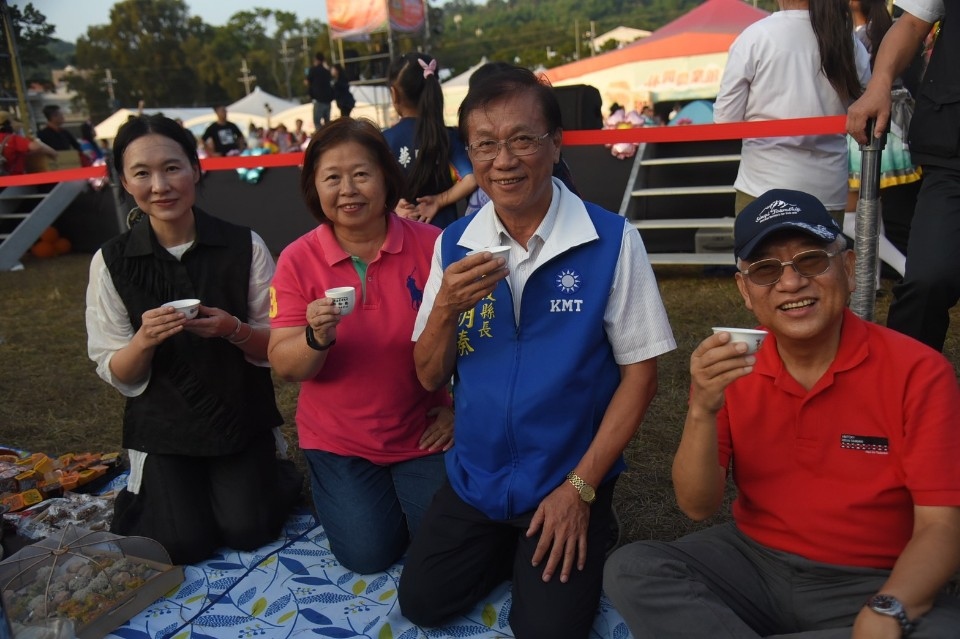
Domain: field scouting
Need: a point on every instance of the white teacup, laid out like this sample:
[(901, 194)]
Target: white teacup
[(498, 251), (752, 337), (189, 307), (344, 297)]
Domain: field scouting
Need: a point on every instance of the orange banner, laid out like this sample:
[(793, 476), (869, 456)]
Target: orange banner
[(356, 19)]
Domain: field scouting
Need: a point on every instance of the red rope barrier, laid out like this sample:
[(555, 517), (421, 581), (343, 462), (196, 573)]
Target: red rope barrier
[(830, 125)]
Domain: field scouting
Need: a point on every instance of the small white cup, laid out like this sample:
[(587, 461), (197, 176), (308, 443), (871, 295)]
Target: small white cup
[(189, 307), (498, 251), (752, 337), (344, 297)]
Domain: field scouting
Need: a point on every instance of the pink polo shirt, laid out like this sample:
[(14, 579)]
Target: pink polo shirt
[(366, 401)]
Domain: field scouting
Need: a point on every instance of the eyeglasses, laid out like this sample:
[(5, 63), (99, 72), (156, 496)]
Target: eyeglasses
[(486, 150), (807, 264)]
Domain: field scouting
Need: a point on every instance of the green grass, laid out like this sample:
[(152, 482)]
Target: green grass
[(51, 399)]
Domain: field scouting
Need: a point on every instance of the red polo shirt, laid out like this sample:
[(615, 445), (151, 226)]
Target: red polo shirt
[(833, 474)]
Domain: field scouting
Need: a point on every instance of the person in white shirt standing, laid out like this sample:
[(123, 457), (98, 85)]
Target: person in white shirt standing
[(802, 61)]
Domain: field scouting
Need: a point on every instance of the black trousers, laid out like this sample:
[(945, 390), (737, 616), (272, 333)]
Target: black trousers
[(194, 505), (459, 555), (931, 285)]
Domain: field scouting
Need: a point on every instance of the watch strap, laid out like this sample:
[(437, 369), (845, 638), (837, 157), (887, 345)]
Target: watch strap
[(586, 491), (891, 607), (314, 344)]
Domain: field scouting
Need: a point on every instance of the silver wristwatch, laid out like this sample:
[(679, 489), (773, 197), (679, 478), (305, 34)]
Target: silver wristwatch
[(890, 606)]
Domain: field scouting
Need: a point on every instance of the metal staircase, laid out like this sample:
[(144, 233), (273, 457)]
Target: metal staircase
[(26, 211), (680, 197)]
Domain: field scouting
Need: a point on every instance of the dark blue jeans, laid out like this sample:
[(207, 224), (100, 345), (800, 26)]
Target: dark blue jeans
[(321, 114), (370, 512)]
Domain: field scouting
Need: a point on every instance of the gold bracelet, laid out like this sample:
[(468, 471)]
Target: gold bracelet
[(235, 332)]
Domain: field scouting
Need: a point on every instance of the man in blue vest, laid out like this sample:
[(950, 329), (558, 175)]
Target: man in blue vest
[(552, 350)]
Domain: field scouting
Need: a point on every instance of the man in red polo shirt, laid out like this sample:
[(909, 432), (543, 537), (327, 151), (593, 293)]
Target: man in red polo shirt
[(842, 440)]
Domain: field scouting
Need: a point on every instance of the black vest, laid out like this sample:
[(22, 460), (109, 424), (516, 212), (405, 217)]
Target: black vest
[(204, 398), (935, 128)]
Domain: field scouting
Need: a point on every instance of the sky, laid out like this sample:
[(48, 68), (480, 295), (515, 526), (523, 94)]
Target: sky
[(72, 17)]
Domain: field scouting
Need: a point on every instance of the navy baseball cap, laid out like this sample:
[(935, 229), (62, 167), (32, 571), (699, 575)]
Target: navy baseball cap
[(777, 210)]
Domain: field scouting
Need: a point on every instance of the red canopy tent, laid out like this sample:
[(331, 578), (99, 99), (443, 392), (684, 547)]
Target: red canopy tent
[(681, 60)]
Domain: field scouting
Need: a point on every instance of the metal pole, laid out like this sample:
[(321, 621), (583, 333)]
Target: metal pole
[(867, 228), (576, 38), (426, 25), (25, 116)]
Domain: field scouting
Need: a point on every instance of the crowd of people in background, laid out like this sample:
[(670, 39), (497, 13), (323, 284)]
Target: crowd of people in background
[(479, 455)]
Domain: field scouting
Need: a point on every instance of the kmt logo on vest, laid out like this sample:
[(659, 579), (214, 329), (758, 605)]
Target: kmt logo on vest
[(568, 282)]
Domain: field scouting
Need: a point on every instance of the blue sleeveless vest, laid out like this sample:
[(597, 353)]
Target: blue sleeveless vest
[(529, 398)]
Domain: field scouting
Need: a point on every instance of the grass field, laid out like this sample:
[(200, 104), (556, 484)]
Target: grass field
[(51, 399)]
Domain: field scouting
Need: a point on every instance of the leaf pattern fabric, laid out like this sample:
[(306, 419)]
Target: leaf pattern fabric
[(295, 587)]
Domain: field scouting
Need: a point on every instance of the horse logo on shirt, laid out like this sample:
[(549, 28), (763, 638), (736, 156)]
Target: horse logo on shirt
[(416, 294)]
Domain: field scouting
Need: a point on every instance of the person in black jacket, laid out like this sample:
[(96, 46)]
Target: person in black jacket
[(341, 91), (320, 87), (200, 424)]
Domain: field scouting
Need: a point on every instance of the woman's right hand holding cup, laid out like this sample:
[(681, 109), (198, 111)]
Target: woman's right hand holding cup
[(323, 317)]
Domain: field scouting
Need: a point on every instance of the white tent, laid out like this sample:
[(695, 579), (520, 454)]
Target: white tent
[(259, 102), (373, 103), (621, 35), (455, 90), (107, 129)]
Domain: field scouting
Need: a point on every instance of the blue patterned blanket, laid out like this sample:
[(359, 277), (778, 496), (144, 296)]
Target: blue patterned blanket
[(295, 587)]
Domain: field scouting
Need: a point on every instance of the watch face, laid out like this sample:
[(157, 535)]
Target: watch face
[(587, 494), (885, 604)]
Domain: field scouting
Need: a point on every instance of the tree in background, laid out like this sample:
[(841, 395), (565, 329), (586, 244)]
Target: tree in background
[(141, 47), (32, 35), (158, 53)]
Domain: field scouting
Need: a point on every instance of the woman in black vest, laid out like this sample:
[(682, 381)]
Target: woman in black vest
[(200, 417)]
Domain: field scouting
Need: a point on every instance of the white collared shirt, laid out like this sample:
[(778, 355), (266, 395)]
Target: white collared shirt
[(634, 320)]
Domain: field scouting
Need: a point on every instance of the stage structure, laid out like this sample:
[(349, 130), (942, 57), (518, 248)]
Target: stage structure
[(378, 23)]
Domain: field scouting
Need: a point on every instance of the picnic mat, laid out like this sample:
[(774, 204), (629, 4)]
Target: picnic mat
[(295, 587)]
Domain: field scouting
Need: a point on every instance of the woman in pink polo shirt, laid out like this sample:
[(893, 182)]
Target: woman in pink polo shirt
[(373, 437)]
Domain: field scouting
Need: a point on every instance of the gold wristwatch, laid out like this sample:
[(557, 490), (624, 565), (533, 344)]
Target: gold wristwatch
[(587, 493)]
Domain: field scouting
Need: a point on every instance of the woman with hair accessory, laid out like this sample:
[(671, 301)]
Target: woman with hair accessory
[(201, 422), (372, 435), (802, 61), (433, 156)]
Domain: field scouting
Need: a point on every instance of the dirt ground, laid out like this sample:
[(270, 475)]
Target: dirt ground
[(51, 399)]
